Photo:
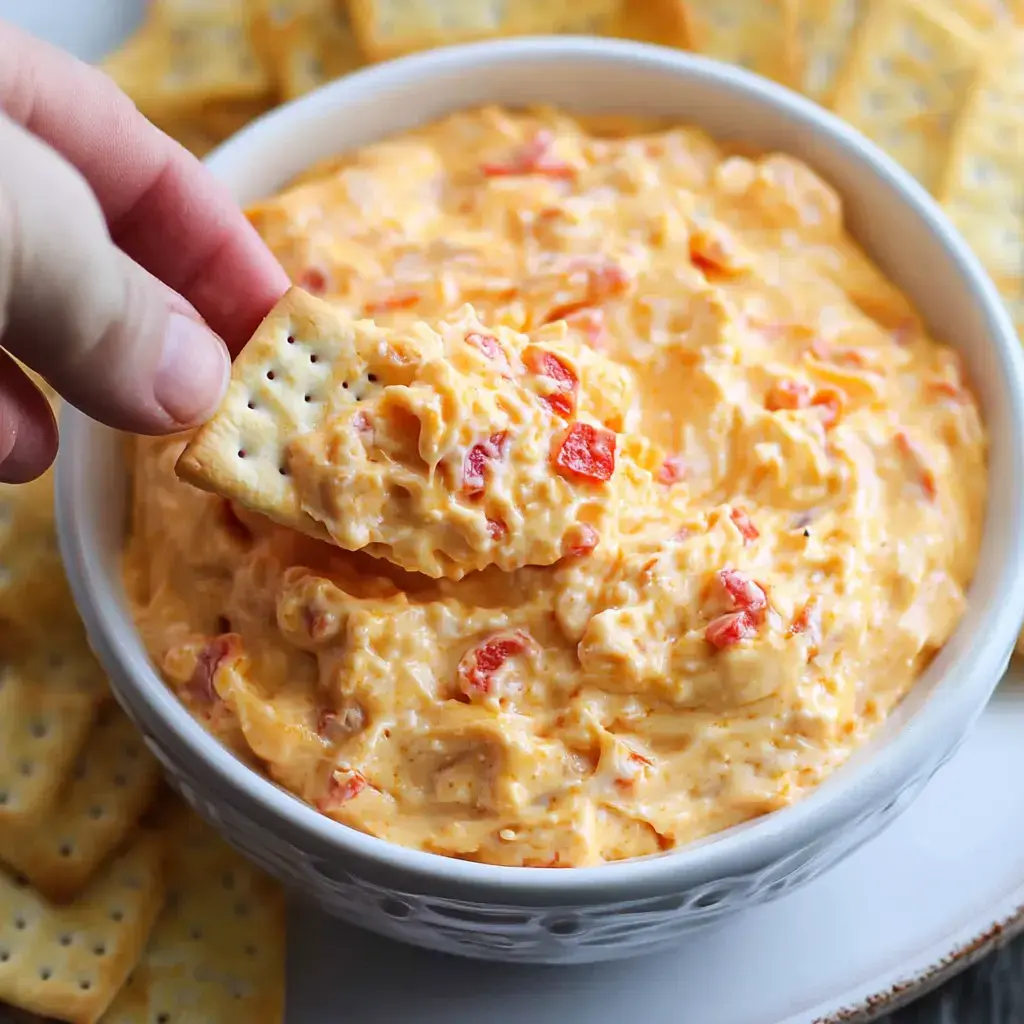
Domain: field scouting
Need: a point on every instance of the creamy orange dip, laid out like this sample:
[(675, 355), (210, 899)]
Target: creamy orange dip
[(804, 521)]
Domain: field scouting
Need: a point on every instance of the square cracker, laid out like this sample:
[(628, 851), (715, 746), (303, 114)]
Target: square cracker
[(983, 189), (907, 80), (827, 30), (217, 953), (49, 696), (389, 28), (760, 35), (415, 445), (69, 962), (34, 594), (187, 54), (112, 782)]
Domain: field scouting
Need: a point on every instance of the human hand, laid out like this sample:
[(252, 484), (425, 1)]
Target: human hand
[(123, 263)]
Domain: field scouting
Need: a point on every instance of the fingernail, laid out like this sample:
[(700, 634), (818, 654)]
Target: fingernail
[(193, 371)]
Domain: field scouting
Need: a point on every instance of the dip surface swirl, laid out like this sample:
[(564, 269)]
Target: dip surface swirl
[(798, 552)]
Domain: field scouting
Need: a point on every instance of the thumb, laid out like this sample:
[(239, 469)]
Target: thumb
[(111, 339)]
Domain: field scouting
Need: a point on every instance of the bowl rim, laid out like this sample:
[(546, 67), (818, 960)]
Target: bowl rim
[(844, 795)]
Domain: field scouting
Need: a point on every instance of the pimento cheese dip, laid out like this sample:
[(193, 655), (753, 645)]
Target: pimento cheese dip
[(782, 568)]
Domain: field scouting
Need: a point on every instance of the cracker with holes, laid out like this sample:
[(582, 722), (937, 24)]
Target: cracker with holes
[(827, 30), (186, 55), (443, 450), (112, 782), (389, 28), (34, 593), (49, 696), (305, 43), (757, 34), (906, 82), (217, 952), (983, 191), (69, 962)]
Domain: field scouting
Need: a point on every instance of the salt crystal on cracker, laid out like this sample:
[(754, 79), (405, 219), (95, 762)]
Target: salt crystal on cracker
[(69, 962), (112, 782), (217, 953)]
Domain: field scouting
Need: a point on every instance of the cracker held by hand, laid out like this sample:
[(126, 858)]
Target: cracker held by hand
[(442, 448), (69, 962), (217, 953)]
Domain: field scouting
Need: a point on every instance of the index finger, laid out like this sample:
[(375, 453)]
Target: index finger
[(164, 209)]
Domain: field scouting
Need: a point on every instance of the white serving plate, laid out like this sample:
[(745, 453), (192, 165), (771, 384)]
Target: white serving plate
[(941, 887)]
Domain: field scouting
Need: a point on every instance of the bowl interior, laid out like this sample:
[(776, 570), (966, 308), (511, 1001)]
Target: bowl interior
[(885, 210)]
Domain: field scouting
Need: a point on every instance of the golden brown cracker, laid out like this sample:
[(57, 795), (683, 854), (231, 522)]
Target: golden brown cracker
[(34, 594), (827, 30), (983, 188), (760, 35), (652, 21), (217, 952), (49, 695), (389, 28), (186, 55), (112, 782), (69, 962), (907, 80)]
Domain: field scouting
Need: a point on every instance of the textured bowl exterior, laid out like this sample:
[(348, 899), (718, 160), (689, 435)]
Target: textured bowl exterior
[(627, 908)]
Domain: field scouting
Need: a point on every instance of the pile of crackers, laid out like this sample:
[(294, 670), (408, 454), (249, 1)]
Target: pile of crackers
[(939, 84), (117, 904)]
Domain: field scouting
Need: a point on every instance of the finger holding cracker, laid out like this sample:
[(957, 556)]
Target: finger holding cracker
[(112, 783), (441, 449), (217, 953), (69, 962)]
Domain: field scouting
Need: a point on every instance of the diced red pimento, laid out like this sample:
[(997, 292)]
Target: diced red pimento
[(587, 452), (672, 470), (400, 300), (497, 528), (562, 400), (209, 661), (730, 629), (343, 785), (948, 389), (314, 280), (808, 621), (580, 539), (603, 281), (478, 666), (490, 347), (830, 402), (746, 595), (925, 475), (533, 157), (713, 252), (478, 458), (788, 394), (742, 521)]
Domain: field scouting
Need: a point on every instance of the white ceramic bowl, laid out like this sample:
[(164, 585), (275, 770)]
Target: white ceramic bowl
[(619, 909)]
